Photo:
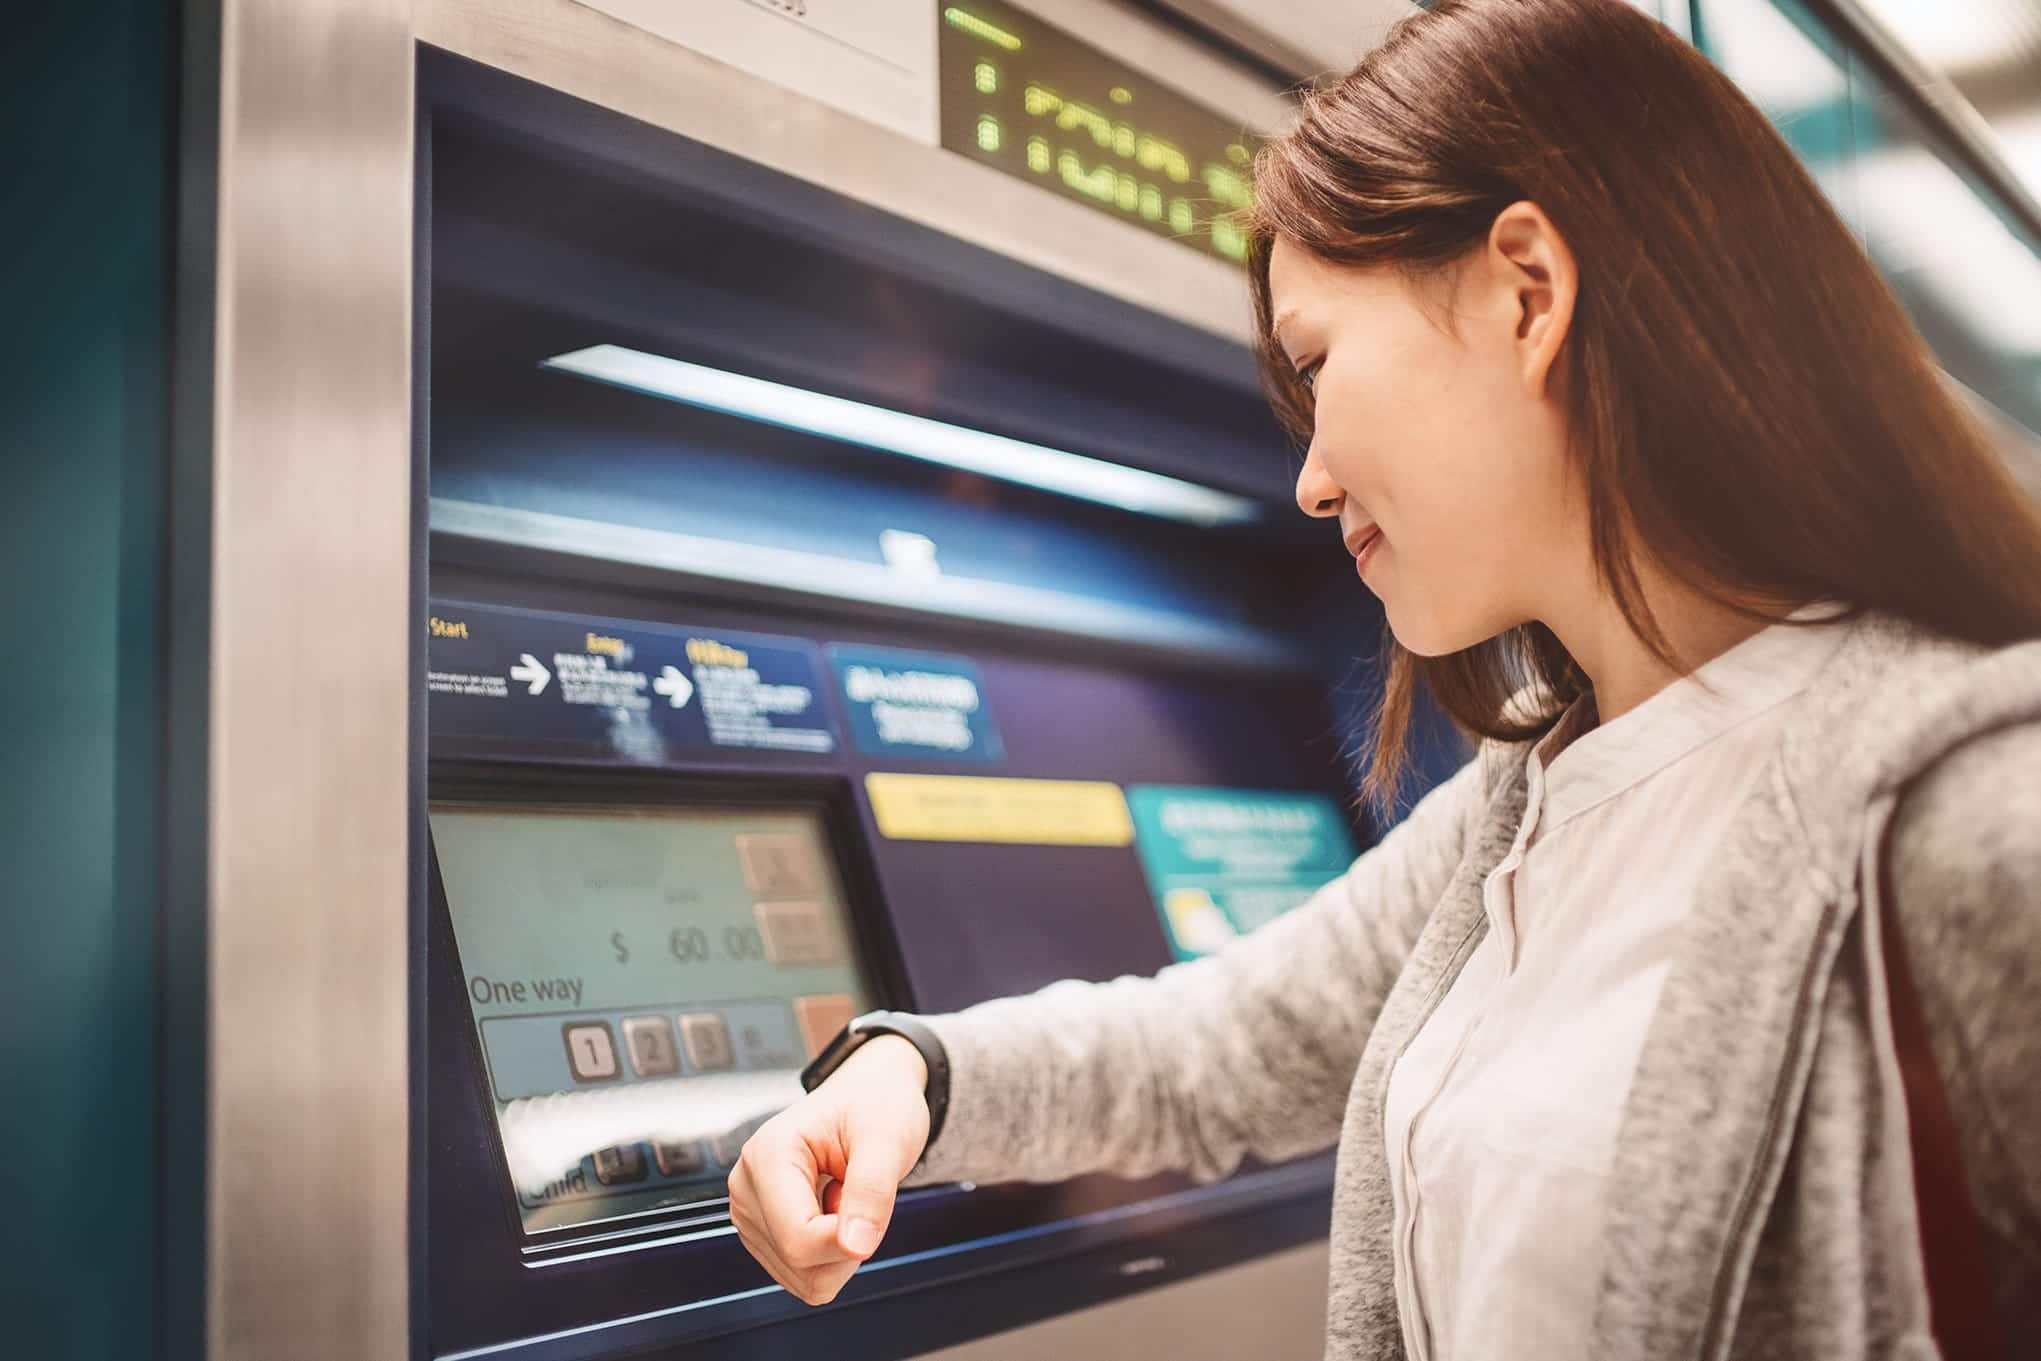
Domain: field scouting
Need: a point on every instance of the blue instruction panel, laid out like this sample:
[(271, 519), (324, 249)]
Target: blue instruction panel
[(915, 704), (1222, 862), (626, 688)]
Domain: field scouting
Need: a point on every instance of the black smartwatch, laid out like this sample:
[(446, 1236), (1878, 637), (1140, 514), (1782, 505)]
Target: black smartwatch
[(908, 1028)]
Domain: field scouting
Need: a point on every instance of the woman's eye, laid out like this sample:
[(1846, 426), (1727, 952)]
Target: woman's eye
[(1308, 376)]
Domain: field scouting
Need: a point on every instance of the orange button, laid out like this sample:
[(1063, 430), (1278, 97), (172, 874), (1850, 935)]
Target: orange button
[(821, 1017)]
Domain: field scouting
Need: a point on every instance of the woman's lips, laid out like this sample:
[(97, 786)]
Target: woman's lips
[(1361, 544)]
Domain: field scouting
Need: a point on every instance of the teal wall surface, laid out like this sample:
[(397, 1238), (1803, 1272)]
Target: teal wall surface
[(88, 135)]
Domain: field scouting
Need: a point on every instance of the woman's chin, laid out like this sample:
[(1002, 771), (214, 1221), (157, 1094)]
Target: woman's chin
[(1432, 637)]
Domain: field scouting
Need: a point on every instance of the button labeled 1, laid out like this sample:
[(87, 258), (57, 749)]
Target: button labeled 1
[(590, 1053)]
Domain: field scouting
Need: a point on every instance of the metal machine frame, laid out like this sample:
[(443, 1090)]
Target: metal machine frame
[(295, 732)]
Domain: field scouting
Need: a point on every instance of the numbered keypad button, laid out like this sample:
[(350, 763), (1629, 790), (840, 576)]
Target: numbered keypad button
[(649, 1041), (707, 1040), (621, 1165), (679, 1157), (590, 1052)]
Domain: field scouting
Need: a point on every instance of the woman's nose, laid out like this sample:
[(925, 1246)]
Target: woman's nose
[(1317, 494)]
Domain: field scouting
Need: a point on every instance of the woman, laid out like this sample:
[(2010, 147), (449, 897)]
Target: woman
[(1664, 499)]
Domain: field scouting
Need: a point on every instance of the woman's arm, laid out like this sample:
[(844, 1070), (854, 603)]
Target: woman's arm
[(1249, 1051)]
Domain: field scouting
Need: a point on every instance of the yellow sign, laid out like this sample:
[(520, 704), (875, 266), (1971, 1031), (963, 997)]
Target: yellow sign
[(1016, 812)]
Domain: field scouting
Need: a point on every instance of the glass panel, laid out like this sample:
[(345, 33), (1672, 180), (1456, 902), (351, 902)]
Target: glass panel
[(1797, 74), (1971, 280)]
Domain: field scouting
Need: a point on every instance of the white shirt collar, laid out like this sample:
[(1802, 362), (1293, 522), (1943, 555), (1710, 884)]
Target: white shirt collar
[(1758, 674)]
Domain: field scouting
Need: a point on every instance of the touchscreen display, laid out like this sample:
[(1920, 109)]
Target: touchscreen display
[(646, 984)]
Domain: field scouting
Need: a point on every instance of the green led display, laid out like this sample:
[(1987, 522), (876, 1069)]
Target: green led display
[(1030, 100)]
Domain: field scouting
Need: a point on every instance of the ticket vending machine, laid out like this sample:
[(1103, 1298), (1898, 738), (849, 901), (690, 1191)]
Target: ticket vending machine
[(663, 524), (825, 611)]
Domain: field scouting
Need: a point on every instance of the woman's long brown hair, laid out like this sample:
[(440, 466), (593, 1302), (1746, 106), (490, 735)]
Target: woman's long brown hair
[(1751, 407)]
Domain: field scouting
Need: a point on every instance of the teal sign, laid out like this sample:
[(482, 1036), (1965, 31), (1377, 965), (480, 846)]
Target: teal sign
[(1222, 862)]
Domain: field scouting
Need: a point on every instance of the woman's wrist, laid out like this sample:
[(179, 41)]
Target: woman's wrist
[(890, 1053)]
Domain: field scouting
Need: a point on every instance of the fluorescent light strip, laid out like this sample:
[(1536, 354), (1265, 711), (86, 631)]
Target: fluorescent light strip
[(846, 579), (898, 432)]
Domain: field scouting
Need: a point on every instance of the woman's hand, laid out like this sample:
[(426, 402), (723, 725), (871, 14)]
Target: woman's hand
[(812, 1192)]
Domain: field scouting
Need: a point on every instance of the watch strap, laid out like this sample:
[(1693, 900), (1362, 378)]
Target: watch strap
[(909, 1028)]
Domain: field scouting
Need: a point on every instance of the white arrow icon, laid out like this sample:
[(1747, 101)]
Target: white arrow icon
[(677, 688), (532, 673)]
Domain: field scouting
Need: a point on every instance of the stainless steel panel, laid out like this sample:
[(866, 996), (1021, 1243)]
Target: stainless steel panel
[(307, 838), (1175, 58), (1271, 1309), (1305, 37), (589, 55)]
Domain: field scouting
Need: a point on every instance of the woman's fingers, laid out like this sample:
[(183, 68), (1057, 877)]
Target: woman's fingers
[(780, 1216), (883, 1145), (758, 1241), (813, 1191)]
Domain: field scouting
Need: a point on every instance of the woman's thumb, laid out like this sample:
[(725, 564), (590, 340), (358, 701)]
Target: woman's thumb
[(876, 1162)]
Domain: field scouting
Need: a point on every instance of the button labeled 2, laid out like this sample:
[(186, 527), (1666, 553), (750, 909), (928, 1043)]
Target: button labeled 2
[(650, 1042)]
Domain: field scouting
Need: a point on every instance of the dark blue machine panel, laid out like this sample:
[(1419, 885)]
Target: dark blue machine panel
[(916, 704), (943, 924), (605, 687)]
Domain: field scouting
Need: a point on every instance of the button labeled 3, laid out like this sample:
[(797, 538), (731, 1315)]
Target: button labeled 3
[(707, 1040)]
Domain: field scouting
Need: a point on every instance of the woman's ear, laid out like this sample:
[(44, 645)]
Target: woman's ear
[(1534, 267)]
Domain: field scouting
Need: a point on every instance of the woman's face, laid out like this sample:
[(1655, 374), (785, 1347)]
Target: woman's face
[(1436, 435)]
